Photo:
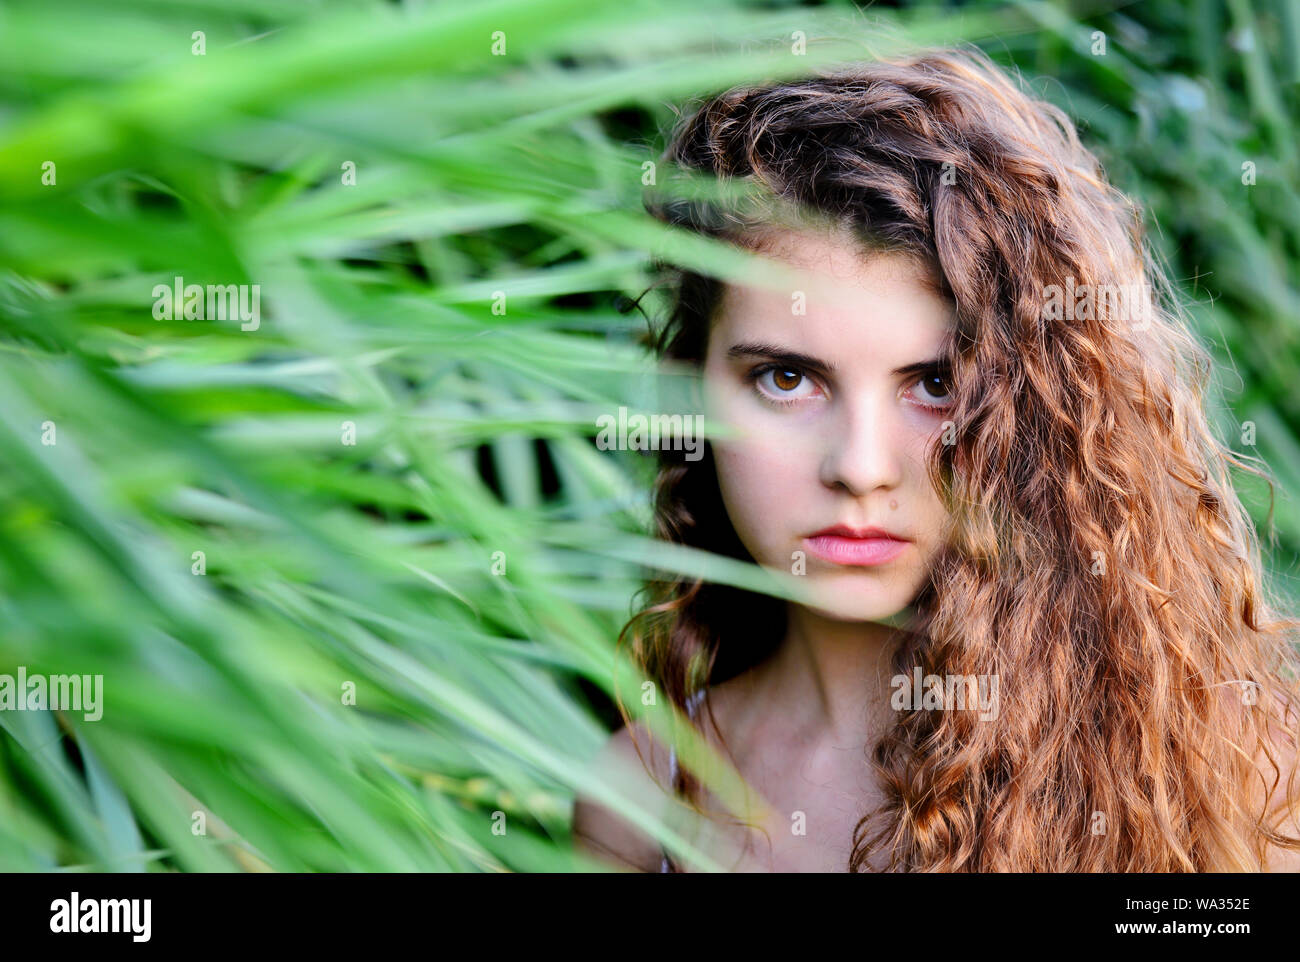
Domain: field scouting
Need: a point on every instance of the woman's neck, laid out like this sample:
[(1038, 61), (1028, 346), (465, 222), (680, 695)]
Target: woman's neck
[(832, 677)]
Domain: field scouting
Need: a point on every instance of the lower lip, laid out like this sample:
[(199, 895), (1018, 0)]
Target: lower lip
[(855, 551)]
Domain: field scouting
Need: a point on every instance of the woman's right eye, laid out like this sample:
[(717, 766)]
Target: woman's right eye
[(784, 384)]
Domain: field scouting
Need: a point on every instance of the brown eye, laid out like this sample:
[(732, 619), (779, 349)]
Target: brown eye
[(786, 380), (784, 384), (933, 391), (935, 386)]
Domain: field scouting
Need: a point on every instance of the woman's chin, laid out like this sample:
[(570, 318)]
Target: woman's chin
[(838, 603)]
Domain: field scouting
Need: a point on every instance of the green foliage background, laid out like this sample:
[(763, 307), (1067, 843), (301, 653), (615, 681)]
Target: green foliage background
[(373, 564)]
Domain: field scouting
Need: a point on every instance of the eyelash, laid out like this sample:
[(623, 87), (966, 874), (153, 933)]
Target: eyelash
[(753, 375), (942, 375)]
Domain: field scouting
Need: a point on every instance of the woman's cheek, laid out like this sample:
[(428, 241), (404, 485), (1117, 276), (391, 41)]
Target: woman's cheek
[(759, 488)]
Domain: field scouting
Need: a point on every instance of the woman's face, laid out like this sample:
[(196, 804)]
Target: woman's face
[(837, 407)]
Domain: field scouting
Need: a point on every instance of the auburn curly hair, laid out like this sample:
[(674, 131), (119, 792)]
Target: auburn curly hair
[(1098, 561)]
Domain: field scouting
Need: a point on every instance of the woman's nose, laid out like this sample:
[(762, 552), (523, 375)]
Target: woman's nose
[(860, 455)]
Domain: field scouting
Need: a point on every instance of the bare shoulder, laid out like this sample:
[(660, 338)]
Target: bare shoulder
[(642, 766), (1277, 858), (1285, 743), (601, 833)]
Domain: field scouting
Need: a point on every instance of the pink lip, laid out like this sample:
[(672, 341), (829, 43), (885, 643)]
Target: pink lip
[(855, 546)]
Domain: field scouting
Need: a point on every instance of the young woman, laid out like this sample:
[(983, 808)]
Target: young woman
[(1037, 636)]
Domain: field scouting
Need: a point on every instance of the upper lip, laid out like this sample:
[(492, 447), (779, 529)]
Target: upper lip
[(845, 531)]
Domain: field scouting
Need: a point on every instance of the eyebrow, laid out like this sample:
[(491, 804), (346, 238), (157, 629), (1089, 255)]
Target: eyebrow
[(783, 355)]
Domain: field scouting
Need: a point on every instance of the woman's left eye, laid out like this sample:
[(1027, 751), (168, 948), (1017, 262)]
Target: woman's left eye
[(933, 391)]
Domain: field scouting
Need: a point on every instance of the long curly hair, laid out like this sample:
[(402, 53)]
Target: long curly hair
[(1097, 561)]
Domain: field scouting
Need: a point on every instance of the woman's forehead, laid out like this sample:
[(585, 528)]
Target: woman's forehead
[(846, 301), (838, 253)]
